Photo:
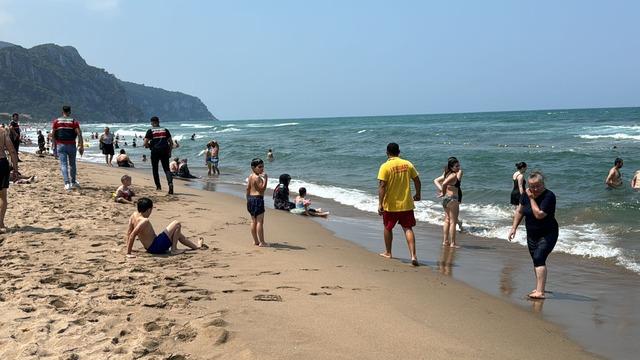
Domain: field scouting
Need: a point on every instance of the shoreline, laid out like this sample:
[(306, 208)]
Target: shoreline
[(328, 292), (589, 313)]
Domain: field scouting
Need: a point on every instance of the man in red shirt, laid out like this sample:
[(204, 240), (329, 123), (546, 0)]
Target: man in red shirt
[(66, 130)]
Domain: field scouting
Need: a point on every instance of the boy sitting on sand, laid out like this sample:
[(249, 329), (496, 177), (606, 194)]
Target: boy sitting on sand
[(256, 185), (303, 205), (140, 226), (125, 193)]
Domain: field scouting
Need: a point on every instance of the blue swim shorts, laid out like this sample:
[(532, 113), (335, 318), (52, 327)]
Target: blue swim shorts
[(255, 205), (160, 245)]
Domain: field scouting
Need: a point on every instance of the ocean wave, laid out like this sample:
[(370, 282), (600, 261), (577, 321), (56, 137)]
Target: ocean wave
[(271, 125), (198, 126), (361, 131), (488, 221), (618, 136), (229, 129)]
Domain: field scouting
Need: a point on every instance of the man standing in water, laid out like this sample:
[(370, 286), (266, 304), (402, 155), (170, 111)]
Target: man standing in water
[(614, 179), (395, 203), (158, 139), (66, 130)]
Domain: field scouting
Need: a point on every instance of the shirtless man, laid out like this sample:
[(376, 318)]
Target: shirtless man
[(614, 179), (140, 226), (635, 182), (5, 145)]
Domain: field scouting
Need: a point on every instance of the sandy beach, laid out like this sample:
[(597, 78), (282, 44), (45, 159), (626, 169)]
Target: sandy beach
[(69, 292)]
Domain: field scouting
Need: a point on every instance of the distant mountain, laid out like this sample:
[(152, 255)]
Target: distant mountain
[(38, 81)]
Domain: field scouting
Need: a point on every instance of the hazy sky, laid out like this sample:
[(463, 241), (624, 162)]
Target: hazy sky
[(287, 59)]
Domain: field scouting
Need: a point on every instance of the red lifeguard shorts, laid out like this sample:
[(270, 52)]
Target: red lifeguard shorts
[(405, 218)]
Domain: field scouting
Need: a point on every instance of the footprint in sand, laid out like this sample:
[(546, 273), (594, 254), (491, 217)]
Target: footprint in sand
[(319, 293), (335, 287), (305, 269), (267, 297), (292, 288)]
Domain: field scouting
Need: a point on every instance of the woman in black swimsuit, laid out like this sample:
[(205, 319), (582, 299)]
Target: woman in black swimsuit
[(518, 183)]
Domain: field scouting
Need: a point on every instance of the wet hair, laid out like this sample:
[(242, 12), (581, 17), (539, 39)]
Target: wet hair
[(154, 119), (256, 162), (124, 177), (176, 159), (285, 179), (393, 149), (122, 151), (537, 175), (15, 114), (302, 191), (451, 162), (66, 109), (144, 204), (521, 165), (618, 161)]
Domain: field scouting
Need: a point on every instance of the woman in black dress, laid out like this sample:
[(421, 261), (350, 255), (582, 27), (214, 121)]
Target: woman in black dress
[(538, 207)]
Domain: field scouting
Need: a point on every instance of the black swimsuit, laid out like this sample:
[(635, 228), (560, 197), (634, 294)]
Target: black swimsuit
[(515, 193)]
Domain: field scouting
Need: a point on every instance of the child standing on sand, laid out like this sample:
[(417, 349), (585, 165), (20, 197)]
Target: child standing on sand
[(256, 185), (124, 193), (140, 226)]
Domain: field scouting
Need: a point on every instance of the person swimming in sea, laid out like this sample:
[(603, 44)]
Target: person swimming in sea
[(614, 178), (519, 183)]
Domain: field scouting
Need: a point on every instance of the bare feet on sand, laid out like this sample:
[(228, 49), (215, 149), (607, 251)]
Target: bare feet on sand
[(201, 244), (177, 252), (385, 255), (263, 244)]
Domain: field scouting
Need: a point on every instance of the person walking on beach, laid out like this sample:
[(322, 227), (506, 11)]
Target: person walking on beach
[(395, 203), (519, 184), (256, 185), (66, 130), (106, 144), (14, 132), (614, 178), (6, 145), (538, 207), (448, 185), (158, 139)]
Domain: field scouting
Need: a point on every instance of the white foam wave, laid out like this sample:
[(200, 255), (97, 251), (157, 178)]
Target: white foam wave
[(229, 129), (361, 131), (198, 126), (491, 221), (271, 125), (618, 136)]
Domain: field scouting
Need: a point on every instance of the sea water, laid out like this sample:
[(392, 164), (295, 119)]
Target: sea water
[(338, 159)]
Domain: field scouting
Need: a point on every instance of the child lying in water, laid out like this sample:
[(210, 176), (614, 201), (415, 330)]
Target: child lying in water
[(303, 205)]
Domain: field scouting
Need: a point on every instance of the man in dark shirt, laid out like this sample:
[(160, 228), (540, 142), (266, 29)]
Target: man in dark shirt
[(14, 132), (158, 140), (41, 142), (66, 131), (538, 207)]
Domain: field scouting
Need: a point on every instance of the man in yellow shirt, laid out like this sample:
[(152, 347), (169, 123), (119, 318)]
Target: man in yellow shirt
[(395, 203)]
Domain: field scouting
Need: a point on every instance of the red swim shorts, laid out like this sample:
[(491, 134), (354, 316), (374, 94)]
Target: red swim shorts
[(405, 218)]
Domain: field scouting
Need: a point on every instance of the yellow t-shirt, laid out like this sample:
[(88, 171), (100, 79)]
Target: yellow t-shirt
[(397, 173)]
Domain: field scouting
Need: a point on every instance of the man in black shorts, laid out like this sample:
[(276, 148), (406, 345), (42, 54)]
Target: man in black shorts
[(158, 139)]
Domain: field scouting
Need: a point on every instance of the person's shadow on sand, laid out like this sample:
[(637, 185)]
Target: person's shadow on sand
[(279, 246)]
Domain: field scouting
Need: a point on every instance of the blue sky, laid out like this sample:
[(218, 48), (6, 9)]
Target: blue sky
[(288, 59)]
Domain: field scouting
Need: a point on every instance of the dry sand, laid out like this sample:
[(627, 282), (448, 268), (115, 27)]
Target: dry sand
[(68, 292)]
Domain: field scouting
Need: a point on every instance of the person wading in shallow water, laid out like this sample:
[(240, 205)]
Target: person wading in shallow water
[(538, 207), (395, 203)]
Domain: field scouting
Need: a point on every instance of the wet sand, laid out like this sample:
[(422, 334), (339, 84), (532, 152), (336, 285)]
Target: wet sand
[(68, 291), (594, 300)]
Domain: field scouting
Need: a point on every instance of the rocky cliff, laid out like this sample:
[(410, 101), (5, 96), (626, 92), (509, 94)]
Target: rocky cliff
[(38, 81)]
